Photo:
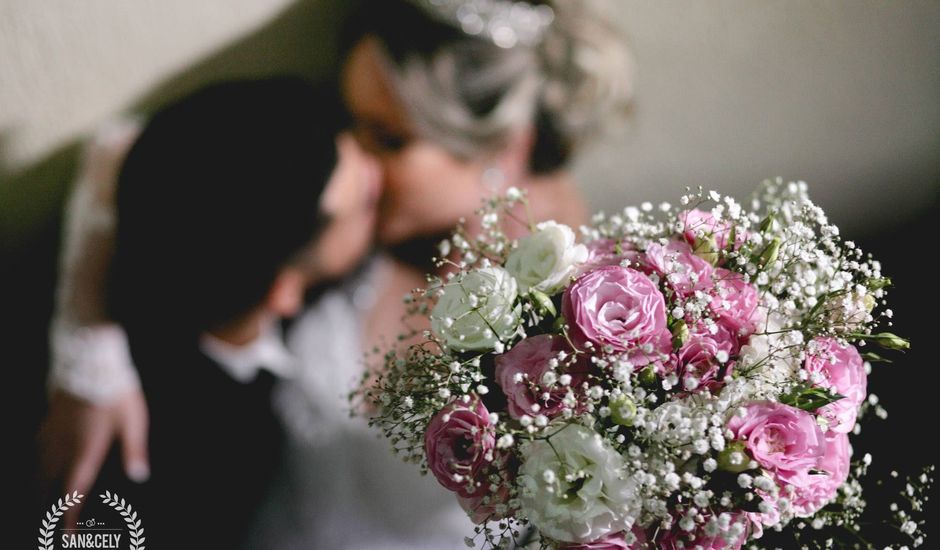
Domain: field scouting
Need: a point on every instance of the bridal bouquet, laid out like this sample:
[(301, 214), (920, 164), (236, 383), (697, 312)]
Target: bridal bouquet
[(684, 377)]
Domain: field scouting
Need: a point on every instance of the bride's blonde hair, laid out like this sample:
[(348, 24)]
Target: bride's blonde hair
[(468, 94)]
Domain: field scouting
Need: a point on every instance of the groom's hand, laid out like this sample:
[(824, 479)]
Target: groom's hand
[(76, 436)]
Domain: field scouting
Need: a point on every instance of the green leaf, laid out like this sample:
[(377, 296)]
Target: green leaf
[(767, 223), (769, 255), (732, 238), (886, 340), (734, 448), (543, 301), (648, 377), (809, 398), (875, 358), (889, 340), (680, 334), (875, 284)]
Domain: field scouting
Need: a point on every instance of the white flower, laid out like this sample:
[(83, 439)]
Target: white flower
[(768, 350), (595, 497), (547, 259), (671, 423), (849, 312), (476, 310)]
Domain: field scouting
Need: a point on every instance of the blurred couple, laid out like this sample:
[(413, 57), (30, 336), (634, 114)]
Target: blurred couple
[(230, 261)]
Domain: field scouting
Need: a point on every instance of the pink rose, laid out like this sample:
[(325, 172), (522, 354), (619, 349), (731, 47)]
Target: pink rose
[(457, 443), (726, 338), (757, 520), (698, 363), (621, 308), (840, 415), (822, 487), (840, 369), (613, 541), (731, 538), (783, 439), (701, 224), (682, 270), (603, 252), (734, 303), (520, 372)]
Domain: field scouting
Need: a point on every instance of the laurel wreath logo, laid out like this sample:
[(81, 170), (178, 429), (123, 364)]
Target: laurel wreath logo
[(52, 518), (130, 518), (49, 523)]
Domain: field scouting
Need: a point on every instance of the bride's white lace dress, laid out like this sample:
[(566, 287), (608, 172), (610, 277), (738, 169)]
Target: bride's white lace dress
[(340, 486)]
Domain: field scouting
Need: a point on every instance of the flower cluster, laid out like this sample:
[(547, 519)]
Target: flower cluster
[(683, 377)]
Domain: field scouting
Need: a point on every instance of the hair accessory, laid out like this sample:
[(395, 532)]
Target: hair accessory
[(503, 22)]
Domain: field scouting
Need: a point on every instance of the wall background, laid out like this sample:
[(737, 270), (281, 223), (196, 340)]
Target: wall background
[(843, 94)]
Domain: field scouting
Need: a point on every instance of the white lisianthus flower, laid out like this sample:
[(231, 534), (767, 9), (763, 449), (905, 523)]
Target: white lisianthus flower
[(546, 259), (476, 310), (767, 351), (595, 495), (765, 341)]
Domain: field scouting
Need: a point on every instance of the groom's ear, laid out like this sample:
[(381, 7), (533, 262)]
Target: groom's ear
[(287, 292)]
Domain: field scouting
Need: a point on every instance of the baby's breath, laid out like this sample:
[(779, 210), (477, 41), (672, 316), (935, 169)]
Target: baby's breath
[(687, 470)]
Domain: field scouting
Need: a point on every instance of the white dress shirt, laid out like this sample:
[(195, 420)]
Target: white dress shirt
[(242, 363)]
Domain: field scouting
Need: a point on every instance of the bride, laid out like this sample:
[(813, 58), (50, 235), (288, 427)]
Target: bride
[(456, 101), (451, 117)]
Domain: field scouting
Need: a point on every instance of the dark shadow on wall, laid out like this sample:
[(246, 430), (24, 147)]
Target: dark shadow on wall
[(301, 40)]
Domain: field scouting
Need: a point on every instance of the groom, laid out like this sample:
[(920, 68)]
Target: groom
[(221, 229)]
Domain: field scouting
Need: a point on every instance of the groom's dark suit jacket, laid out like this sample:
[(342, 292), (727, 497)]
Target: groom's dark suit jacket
[(215, 444)]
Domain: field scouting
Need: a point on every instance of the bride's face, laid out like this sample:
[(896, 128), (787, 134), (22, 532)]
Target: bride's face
[(349, 200), (425, 189)]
